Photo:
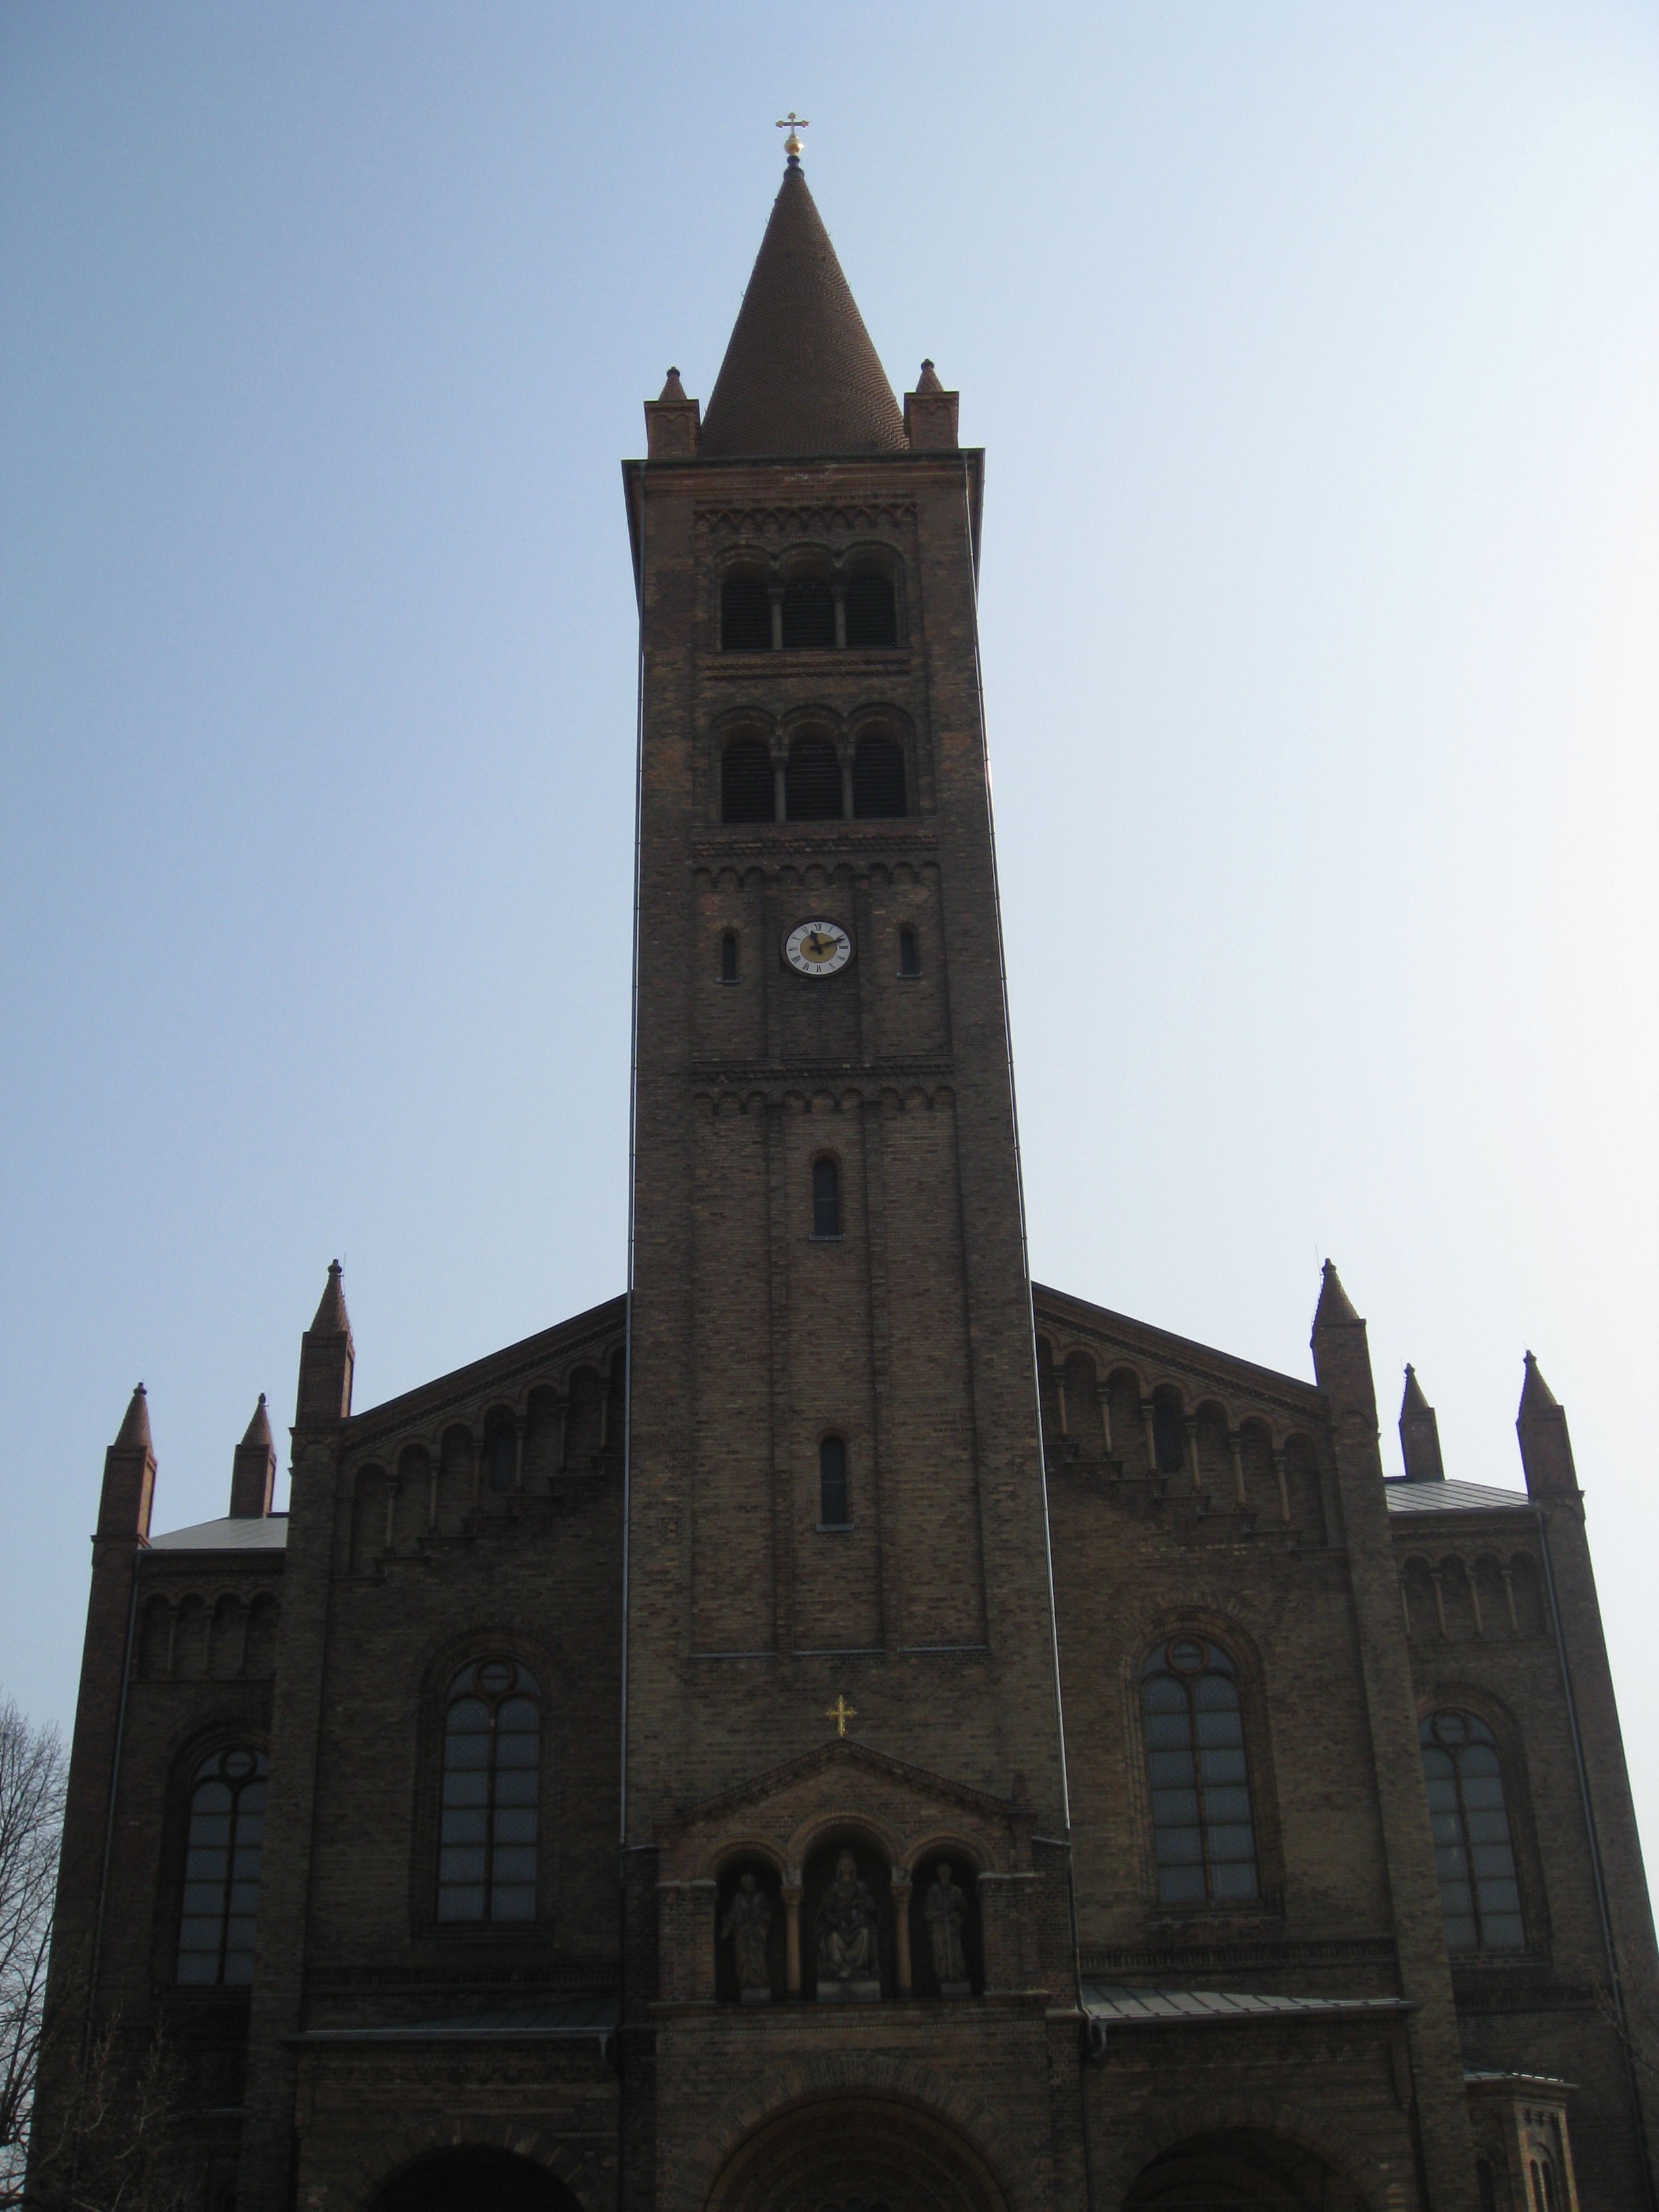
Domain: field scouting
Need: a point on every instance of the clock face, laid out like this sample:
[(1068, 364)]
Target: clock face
[(817, 948)]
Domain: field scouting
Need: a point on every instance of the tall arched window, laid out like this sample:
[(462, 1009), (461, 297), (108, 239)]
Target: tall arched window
[(1473, 1849), (747, 784), (222, 1868), (728, 955), (746, 615), (834, 1501), (872, 618), (1169, 1437), (501, 1455), (809, 613), (909, 952), (813, 782), (487, 1832), (878, 779), (826, 1199), (1203, 1833)]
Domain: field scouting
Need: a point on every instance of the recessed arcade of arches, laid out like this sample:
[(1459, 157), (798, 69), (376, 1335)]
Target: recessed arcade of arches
[(835, 2153)]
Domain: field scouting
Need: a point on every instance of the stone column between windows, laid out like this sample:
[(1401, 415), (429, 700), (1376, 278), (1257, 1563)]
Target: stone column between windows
[(791, 1932)]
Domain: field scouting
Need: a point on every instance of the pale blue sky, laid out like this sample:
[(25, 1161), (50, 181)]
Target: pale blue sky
[(1315, 348)]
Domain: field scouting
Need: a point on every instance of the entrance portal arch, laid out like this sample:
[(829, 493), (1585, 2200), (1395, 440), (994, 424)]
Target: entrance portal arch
[(1240, 2170), (473, 2178), (856, 2153)]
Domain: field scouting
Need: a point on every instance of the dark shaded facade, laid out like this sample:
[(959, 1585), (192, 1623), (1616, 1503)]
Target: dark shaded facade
[(840, 1727)]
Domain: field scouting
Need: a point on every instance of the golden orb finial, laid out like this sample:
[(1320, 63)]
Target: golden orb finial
[(794, 124)]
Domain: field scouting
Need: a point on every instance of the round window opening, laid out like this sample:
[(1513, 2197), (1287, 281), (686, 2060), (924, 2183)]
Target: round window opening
[(1186, 1656), (494, 1676)]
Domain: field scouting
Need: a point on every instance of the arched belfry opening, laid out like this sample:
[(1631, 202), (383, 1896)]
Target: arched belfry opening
[(473, 2178), (836, 2152)]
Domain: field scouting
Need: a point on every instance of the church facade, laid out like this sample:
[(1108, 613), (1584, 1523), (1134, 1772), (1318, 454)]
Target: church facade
[(839, 1728)]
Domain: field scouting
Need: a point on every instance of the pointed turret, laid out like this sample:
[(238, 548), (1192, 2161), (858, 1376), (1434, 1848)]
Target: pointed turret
[(801, 375), (253, 1470), (931, 414), (1419, 1434), (1545, 1447), (123, 1503), (326, 1358), (671, 421), (1341, 1350)]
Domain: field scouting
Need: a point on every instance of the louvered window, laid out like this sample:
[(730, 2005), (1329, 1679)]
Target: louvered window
[(872, 619), (812, 784), (746, 782), (746, 616), (878, 779)]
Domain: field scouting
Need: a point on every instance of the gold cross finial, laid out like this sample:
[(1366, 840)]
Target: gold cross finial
[(840, 1712), (794, 124)]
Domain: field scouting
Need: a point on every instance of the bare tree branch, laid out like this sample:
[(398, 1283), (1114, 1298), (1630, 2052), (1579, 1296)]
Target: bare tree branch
[(31, 1823)]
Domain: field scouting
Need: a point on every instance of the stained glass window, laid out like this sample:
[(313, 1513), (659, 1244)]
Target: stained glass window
[(222, 1868), (1203, 1833), (487, 1821), (1473, 1849)]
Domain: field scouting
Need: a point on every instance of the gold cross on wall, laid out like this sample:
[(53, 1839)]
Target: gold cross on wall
[(840, 1712)]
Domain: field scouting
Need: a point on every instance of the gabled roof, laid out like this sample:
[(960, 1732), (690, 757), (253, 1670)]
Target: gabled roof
[(801, 375), (248, 1532)]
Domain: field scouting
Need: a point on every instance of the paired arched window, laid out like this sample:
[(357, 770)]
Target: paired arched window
[(488, 1817), (826, 1199), (1203, 1832), (835, 1497), (1473, 1847), (223, 1849)]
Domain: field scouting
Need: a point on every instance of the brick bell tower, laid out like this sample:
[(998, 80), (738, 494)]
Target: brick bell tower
[(840, 1666)]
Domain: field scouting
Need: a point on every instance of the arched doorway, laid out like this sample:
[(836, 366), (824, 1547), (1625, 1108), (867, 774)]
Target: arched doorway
[(1240, 2170), (473, 2179), (856, 2154)]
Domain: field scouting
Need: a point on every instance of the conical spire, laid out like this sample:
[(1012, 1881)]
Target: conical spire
[(673, 391), (134, 1432), (1335, 1307), (331, 1319), (1419, 1434), (801, 375), (929, 380), (258, 1429)]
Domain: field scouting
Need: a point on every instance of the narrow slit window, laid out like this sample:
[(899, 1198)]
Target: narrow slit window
[(835, 1505), (222, 1852), (1203, 1830), (909, 952), (503, 1457), (747, 785), (826, 1199), (487, 1831), (1473, 1847), (728, 955), (1169, 1438)]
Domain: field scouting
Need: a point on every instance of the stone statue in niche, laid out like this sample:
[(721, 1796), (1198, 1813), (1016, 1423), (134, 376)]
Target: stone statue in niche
[(748, 1923), (945, 1909), (848, 1967)]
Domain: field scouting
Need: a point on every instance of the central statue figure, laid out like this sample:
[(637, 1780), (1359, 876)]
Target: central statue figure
[(847, 1929)]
